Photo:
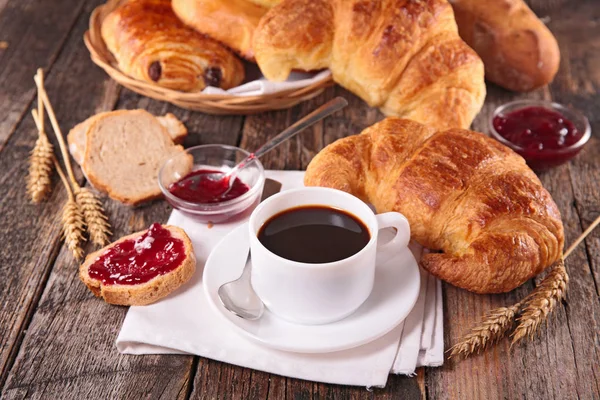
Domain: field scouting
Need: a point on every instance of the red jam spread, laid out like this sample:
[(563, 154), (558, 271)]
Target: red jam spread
[(138, 260), (195, 187), (540, 133)]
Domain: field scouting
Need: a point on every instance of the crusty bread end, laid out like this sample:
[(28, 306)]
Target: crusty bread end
[(148, 292)]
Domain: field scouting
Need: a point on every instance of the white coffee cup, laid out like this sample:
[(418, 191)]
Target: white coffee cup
[(320, 293)]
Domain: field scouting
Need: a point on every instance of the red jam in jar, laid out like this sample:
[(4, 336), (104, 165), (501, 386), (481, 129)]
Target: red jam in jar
[(541, 135), (135, 261), (196, 188)]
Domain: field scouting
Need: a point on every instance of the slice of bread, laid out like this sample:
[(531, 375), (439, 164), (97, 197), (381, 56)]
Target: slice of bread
[(124, 152), (175, 128), (76, 136), (147, 292)]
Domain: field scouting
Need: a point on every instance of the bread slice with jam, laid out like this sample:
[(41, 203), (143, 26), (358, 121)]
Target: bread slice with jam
[(140, 268)]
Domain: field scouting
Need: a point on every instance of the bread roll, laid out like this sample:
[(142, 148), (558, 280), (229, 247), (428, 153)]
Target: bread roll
[(518, 51)]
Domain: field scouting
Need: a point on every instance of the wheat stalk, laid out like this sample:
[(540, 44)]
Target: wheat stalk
[(93, 212), (72, 219), (530, 313), (492, 328), (39, 81), (541, 302), (39, 183), (72, 216)]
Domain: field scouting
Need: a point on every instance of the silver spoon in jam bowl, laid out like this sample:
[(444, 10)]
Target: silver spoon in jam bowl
[(238, 296), (227, 179)]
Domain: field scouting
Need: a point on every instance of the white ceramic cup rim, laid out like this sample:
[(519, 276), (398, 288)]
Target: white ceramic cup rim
[(373, 233)]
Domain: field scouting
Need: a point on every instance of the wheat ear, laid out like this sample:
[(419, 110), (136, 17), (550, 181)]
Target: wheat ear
[(72, 219), (532, 311), (544, 299), (39, 183), (541, 302), (95, 219), (492, 328), (93, 212)]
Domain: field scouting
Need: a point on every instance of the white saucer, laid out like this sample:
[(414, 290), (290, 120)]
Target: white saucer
[(395, 292)]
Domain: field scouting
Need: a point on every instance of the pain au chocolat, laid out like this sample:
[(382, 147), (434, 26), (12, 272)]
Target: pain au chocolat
[(151, 44), (464, 194)]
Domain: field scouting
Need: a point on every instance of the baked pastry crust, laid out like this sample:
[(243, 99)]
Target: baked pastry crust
[(266, 3), (151, 44), (462, 192), (405, 57), (231, 22), (519, 52)]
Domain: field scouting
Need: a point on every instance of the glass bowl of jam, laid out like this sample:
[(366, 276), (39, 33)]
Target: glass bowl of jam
[(545, 134), (183, 182)]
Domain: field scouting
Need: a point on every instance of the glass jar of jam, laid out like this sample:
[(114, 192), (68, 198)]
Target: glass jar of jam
[(545, 134)]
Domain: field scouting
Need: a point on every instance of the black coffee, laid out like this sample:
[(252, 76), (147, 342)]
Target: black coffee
[(314, 234)]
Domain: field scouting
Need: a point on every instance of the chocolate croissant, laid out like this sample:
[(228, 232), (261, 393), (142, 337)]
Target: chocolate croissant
[(404, 56), (463, 193), (152, 45)]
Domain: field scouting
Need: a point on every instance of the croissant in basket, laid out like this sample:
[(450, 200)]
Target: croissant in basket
[(403, 56), (462, 192), (231, 22), (152, 45)]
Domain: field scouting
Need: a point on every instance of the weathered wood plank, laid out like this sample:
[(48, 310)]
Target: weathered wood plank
[(541, 369), (577, 85), (34, 32), (69, 346), (42, 366), (50, 360), (34, 229), (562, 361)]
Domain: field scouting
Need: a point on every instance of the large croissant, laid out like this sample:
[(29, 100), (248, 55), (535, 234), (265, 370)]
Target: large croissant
[(404, 56), (462, 192)]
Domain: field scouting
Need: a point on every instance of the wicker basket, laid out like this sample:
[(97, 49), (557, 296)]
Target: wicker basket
[(208, 103)]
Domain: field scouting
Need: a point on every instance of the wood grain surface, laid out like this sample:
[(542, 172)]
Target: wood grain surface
[(57, 340)]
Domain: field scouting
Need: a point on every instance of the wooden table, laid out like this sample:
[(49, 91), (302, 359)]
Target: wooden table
[(57, 340)]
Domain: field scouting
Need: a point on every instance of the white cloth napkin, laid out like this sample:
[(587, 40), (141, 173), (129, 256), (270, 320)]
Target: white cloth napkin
[(184, 323), (260, 85)]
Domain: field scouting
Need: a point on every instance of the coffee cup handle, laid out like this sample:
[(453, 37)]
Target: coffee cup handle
[(392, 220)]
